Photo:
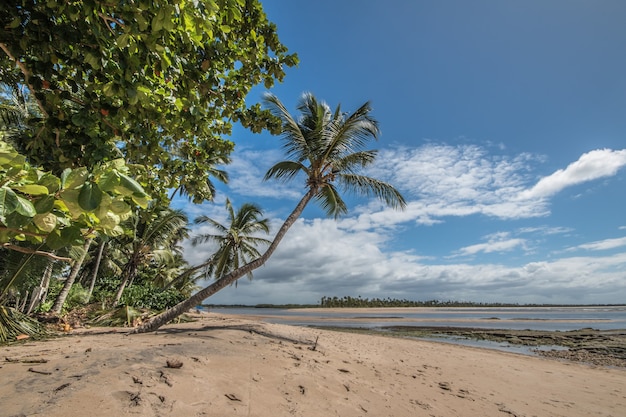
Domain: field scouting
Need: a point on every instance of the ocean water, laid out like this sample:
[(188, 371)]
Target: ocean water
[(514, 318)]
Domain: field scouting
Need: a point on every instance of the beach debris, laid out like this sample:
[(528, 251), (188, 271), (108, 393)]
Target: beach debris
[(26, 360), (174, 363), (504, 409), (21, 337), (345, 371), (445, 386), (60, 387), (135, 398), (165, 378), (232, 397), (39, 372), (137, 380), (314, 347)]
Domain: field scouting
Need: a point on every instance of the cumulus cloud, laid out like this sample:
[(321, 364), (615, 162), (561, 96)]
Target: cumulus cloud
[(457, 181), (319, 259), (352, 256), (590, 166)]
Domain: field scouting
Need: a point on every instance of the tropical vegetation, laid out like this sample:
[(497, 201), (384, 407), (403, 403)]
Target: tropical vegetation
[(108, 111)]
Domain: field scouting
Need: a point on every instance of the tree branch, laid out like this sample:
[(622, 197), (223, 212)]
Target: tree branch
[(18, 231), (36, 252)]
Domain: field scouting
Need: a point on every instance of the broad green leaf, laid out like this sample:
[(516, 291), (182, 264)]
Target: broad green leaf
[(25, 207), (131, 185), (73, 235), (32, 189), (116, 231), (108, 181), (76, 178), (141, 201), (109, 221), (122, 40), (44, 204), (52, 183), (9, 159), (119, 207), (16, 220), (8, 201), (90, 196), (69, 202), (45, 222), (64, 176)]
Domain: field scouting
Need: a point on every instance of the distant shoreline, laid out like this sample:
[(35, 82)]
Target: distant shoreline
[(451, 305)]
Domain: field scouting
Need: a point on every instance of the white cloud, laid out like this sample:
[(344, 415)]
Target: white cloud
[(493, 246), (605, 244), (458, 181), (247, 170), (442, 180), (590, 166), (546, 230), (319, 258)]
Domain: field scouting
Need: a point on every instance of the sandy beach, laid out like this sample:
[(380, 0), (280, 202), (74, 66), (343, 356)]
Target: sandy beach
[(232, 366)]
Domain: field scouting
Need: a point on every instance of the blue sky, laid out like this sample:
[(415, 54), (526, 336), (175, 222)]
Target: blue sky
[(503, 125)]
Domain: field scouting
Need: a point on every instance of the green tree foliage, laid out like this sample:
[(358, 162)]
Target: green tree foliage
[(56, 212), (158, 82)]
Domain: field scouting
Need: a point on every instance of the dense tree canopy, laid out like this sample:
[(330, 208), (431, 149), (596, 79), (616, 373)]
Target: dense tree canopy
[(158, 82)]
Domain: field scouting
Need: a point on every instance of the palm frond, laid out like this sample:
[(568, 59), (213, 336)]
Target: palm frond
[(331, 201), (295, 142), (285, 170), (213, 223), (169, 226), (370, 187), (355, 160), (205, 238), (14, 324)]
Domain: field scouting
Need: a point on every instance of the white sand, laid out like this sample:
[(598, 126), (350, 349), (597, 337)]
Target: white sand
[(241, 367)]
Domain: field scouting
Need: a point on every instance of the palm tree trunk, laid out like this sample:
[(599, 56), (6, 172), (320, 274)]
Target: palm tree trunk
[(129, 274), (170, 314), (40, 292), (96, 268), (58, 303)]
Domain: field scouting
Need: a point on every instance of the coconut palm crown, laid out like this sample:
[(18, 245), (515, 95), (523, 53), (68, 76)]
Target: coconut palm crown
[(329, 148), (237, 243)]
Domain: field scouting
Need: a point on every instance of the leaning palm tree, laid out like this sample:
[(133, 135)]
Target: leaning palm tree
[(237, 244), (329, 148)]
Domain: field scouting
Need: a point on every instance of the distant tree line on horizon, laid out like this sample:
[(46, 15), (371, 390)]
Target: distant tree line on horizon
[(348, 301)]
